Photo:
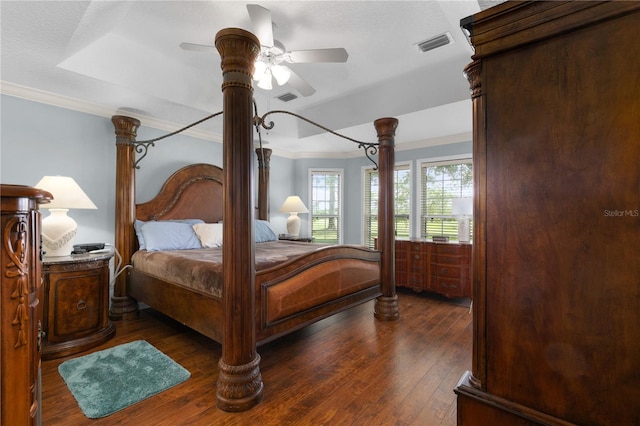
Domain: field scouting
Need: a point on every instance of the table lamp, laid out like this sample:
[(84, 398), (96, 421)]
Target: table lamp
[(462, 208), (293, 205), (58, 229)]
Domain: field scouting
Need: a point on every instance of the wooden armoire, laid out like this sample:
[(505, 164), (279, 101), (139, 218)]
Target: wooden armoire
[(556, 256), (20, 307)]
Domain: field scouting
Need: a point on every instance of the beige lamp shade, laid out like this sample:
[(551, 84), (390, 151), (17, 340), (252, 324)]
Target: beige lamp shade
[(462, 206), (293, 205), (58, 229), (67, 194)]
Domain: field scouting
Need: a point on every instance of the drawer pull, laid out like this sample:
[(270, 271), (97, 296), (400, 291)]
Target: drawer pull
[(443, 271), (445, 285), (81, 305), (417, 257)]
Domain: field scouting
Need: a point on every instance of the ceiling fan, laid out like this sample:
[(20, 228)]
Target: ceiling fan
[(273, 56)]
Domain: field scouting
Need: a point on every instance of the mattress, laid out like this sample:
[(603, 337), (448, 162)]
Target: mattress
[(201, 269)]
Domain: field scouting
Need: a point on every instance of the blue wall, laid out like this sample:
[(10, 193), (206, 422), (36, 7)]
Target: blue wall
[(38, 139)]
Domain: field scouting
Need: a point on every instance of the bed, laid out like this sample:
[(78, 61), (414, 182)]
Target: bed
[(296, 283), (271, 287)]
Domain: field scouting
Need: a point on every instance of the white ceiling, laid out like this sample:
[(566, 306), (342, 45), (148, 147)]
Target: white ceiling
[(111, 57)]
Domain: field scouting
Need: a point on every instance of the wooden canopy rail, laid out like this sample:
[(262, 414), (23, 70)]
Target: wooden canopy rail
[(240, 384)]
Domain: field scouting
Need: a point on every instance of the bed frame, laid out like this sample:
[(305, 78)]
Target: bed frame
[(255, 307)]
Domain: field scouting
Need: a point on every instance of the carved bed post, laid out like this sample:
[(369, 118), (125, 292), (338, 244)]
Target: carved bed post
[(264, 155), (478, 378), (239, 384), (386, 306), (122, 306)]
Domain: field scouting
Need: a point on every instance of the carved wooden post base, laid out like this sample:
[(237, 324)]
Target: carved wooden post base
[(123, 308), (386, 308), (239, 386)]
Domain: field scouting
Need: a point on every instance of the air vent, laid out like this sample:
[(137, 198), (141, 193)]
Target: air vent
[(287, 97), (434, 42)]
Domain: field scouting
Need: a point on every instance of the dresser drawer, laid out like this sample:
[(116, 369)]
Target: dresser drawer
[(449, 249), (439, 259), (417, 250), (417, 281), (448, 287), (446, 271), (418, 265), (74, 308)]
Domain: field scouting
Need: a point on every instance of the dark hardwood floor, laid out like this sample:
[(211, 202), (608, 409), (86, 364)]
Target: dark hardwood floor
[(349, 369)]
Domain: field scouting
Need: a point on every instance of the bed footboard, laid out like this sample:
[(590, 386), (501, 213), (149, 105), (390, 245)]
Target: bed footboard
[(314, 287)]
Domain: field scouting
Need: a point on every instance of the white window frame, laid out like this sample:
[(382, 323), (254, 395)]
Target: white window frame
[(365, 170), (340, 172), (434, 161)]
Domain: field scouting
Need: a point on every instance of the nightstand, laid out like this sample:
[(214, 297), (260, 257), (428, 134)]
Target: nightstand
[(292, 238), (76, 303)]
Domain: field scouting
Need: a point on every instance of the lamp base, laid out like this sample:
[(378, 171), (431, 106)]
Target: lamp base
[(463, 230), (58, 233), (293, 224)]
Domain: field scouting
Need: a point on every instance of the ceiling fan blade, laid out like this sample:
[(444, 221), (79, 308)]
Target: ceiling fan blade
[(196, 47), (300, 85), (262, 24), (317, 55)]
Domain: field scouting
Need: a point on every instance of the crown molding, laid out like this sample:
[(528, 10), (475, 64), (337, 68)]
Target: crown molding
[(48, 98), (404, 146), (40, 96)]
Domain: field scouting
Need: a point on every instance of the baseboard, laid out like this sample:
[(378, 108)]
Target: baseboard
[(477, 407)]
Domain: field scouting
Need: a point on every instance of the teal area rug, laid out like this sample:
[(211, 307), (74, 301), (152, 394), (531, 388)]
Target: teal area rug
[(108, 381)]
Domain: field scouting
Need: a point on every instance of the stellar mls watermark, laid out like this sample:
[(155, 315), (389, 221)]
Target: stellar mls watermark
[(622, 213)]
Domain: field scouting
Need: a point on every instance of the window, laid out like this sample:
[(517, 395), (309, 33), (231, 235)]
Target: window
[(440, 183), (402, 189), (326, 205)]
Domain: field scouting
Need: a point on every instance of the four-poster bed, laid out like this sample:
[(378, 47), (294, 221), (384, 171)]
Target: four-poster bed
[(255, 298)]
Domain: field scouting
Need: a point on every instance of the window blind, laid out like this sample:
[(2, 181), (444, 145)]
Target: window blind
[(402, 203), (326, 206), (440, 183)]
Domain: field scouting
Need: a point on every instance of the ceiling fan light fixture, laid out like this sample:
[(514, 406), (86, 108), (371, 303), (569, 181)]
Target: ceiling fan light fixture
[(264, 82), (281, 74), (259, 69)]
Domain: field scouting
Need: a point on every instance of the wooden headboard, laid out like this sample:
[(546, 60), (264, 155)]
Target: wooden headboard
[(193, 192)]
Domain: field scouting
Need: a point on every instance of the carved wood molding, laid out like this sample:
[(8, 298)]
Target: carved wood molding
[(125, 128), (17, 273), (239, 385), (473, 73), (238, 50)]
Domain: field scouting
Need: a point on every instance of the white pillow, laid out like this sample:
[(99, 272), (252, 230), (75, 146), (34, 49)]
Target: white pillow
[(209, 234)]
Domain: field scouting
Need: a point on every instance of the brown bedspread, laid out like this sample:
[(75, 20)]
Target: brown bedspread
[(201, 270)]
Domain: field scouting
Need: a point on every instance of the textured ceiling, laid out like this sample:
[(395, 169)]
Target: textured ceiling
[(117, 56)]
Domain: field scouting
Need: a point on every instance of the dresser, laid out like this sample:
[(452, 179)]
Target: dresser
[(556, 151), (443, 268), (20, 307), (76, 303)]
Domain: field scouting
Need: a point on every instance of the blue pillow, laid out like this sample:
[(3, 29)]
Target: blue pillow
[(264, 232), (166, 235), (138, 224)]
